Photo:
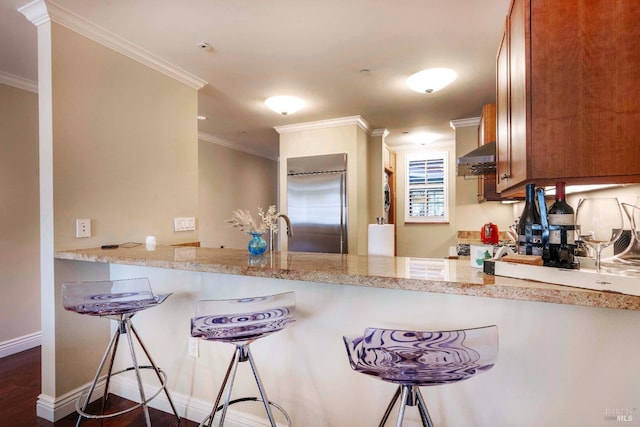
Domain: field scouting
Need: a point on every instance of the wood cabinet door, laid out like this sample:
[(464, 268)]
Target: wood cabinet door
[(518, 92), (503, 141), (585, 89), (567, 93), (487, 133)]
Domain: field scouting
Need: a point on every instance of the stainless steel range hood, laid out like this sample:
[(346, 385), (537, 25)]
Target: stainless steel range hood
[(481, 161)]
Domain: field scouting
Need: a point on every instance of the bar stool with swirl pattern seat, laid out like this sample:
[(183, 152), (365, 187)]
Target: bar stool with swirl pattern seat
[(413, 359), (117, 300), (241, 322)]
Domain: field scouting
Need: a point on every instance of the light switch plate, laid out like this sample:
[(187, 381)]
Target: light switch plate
[(184, 224)]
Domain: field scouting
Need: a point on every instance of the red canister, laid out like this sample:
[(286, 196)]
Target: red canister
[(489, 234)]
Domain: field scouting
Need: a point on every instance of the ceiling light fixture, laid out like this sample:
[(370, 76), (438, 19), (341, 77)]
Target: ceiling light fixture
[(431, 80), (201, 117), (284, 104)]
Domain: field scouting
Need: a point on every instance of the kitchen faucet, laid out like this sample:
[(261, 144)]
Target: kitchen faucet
[(289, 229), (288, 221)]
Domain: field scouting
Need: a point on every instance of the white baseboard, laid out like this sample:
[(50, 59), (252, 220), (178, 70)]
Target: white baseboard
[(54, 409), (16, 345), (188, 407)]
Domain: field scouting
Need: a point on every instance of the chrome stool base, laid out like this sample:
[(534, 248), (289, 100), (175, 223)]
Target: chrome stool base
[(125, 326), (411, 396), (241, 354)]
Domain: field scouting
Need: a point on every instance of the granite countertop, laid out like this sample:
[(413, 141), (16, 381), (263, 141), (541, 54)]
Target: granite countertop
[(417, 274)]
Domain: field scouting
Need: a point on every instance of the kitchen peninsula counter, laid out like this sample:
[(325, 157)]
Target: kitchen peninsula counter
[(545, 349), (442, 276)]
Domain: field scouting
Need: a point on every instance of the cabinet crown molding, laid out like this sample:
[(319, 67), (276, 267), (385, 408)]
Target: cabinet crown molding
[(380, 132), (461, 123)]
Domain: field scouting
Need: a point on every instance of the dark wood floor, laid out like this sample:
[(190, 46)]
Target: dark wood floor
[(20, 386)]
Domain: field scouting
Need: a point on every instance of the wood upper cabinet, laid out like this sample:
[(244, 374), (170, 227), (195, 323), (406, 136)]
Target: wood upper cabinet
[(487, 126), (487, 133), (511, 83), (567, 93), (388, 158)]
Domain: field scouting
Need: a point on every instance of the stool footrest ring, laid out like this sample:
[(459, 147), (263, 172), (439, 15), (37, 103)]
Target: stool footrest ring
[(205, 422), (124, 411)]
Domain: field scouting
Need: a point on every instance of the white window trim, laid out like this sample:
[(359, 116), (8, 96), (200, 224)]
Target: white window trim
[(428, 155)]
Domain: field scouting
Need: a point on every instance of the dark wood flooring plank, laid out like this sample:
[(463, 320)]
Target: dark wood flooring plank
[(20, 384)]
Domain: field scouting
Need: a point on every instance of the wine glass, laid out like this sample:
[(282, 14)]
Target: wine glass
[(599, 223)]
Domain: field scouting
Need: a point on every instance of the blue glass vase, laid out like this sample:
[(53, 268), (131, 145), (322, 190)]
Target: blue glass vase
[(257, 245)]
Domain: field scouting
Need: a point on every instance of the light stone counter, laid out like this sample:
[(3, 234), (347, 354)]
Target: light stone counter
[(416, 274)]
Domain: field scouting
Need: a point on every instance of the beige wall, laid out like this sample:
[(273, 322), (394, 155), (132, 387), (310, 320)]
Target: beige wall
[(125, 146), (362, 192), (229, 180), (376, 178), (434, 240), (118, 144), (424, 240), (19, 214), (471, 215), (350, 139)]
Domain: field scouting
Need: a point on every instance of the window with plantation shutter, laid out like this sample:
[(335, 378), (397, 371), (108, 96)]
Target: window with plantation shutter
[(427, 194)]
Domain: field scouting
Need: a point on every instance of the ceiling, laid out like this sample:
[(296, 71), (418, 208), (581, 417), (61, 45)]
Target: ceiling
[(309, 48)]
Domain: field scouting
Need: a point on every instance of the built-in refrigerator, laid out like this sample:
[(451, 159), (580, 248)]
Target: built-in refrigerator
[(317, 203)]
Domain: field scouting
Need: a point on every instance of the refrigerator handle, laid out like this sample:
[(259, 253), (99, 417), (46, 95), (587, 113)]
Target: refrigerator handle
[(342, 211)]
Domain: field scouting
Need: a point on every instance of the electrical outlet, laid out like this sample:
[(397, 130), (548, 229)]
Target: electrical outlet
[(184, 224), (194, 349), (83, 228)]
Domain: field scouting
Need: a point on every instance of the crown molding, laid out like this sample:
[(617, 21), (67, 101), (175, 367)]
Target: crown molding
[(321, 124), (380, 132), (19, 82), (234, 146), (461, 123), (58, 14), (35, 12)]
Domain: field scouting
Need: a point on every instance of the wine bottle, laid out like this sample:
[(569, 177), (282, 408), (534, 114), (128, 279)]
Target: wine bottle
[(529, 229), (562, 243)]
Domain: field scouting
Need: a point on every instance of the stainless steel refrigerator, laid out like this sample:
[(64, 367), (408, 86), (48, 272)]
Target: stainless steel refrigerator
[(317, 203)]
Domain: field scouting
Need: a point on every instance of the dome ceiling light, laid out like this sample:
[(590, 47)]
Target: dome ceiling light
[(284, 104), (431, 80)]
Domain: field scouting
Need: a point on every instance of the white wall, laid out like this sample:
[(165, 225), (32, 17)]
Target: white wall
[(19, 216), (228, 180), (558, 365), (624, 193)]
